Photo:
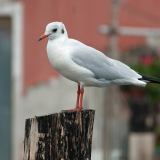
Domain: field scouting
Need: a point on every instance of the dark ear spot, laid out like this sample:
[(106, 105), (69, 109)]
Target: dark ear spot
[(62, 31)]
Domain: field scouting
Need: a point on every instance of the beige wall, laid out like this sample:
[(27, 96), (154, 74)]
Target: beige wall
[(1, 1)]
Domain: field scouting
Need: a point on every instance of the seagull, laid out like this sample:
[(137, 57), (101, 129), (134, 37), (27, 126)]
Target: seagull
[(85, 65)]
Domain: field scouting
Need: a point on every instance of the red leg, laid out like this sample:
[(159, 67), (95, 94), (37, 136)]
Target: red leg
[(81, 99), (77, 108), (78, 96)]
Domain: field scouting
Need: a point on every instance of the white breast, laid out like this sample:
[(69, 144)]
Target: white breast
[(59, 57)]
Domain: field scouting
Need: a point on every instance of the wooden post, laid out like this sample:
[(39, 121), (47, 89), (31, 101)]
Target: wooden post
[(60, 136)]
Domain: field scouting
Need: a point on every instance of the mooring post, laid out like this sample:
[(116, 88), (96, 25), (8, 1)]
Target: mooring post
[(61, 136)]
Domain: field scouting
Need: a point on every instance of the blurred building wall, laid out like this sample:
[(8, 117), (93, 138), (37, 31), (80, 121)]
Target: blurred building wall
[(82, 19), (43, 87), (80, 23), (1, 1)]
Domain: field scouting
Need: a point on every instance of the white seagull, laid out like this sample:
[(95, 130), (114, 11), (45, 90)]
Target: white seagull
[(85, 65)]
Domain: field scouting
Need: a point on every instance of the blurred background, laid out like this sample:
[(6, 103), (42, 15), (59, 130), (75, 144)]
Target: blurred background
[(127, 120)]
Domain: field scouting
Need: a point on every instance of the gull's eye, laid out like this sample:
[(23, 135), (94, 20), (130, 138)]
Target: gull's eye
[(54, 30)]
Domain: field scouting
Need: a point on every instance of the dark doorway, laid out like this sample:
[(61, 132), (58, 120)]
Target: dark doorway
[(5, 88)]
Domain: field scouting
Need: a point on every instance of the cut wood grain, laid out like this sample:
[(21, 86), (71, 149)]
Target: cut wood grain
[(61, 136)]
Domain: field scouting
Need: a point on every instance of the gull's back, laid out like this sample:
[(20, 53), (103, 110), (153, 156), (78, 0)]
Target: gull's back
[(102, 66)]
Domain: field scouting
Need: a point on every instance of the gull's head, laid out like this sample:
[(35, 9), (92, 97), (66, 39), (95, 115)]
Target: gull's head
[(54, 30)]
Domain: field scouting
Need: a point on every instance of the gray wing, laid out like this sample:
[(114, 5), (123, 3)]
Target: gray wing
[(102, 66)]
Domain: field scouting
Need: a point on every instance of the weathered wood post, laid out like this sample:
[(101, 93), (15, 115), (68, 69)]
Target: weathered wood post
[(60, 136)]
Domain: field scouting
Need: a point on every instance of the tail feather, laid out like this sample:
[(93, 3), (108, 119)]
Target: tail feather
[(150, 79)]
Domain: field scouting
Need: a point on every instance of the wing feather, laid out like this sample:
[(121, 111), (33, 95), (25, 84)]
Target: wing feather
[(102, 66)]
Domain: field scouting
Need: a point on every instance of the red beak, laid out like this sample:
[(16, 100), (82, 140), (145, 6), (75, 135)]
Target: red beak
[(43, 37)]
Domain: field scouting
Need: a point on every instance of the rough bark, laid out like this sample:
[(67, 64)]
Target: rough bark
[(60, 136)]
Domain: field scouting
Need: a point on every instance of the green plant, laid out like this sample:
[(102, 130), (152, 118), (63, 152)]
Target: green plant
[(153, 69)]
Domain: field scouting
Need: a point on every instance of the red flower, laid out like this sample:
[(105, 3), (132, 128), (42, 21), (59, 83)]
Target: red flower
[(146, 59)]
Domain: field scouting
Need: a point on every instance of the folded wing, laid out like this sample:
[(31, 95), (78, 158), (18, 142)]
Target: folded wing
[(102, 66)]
